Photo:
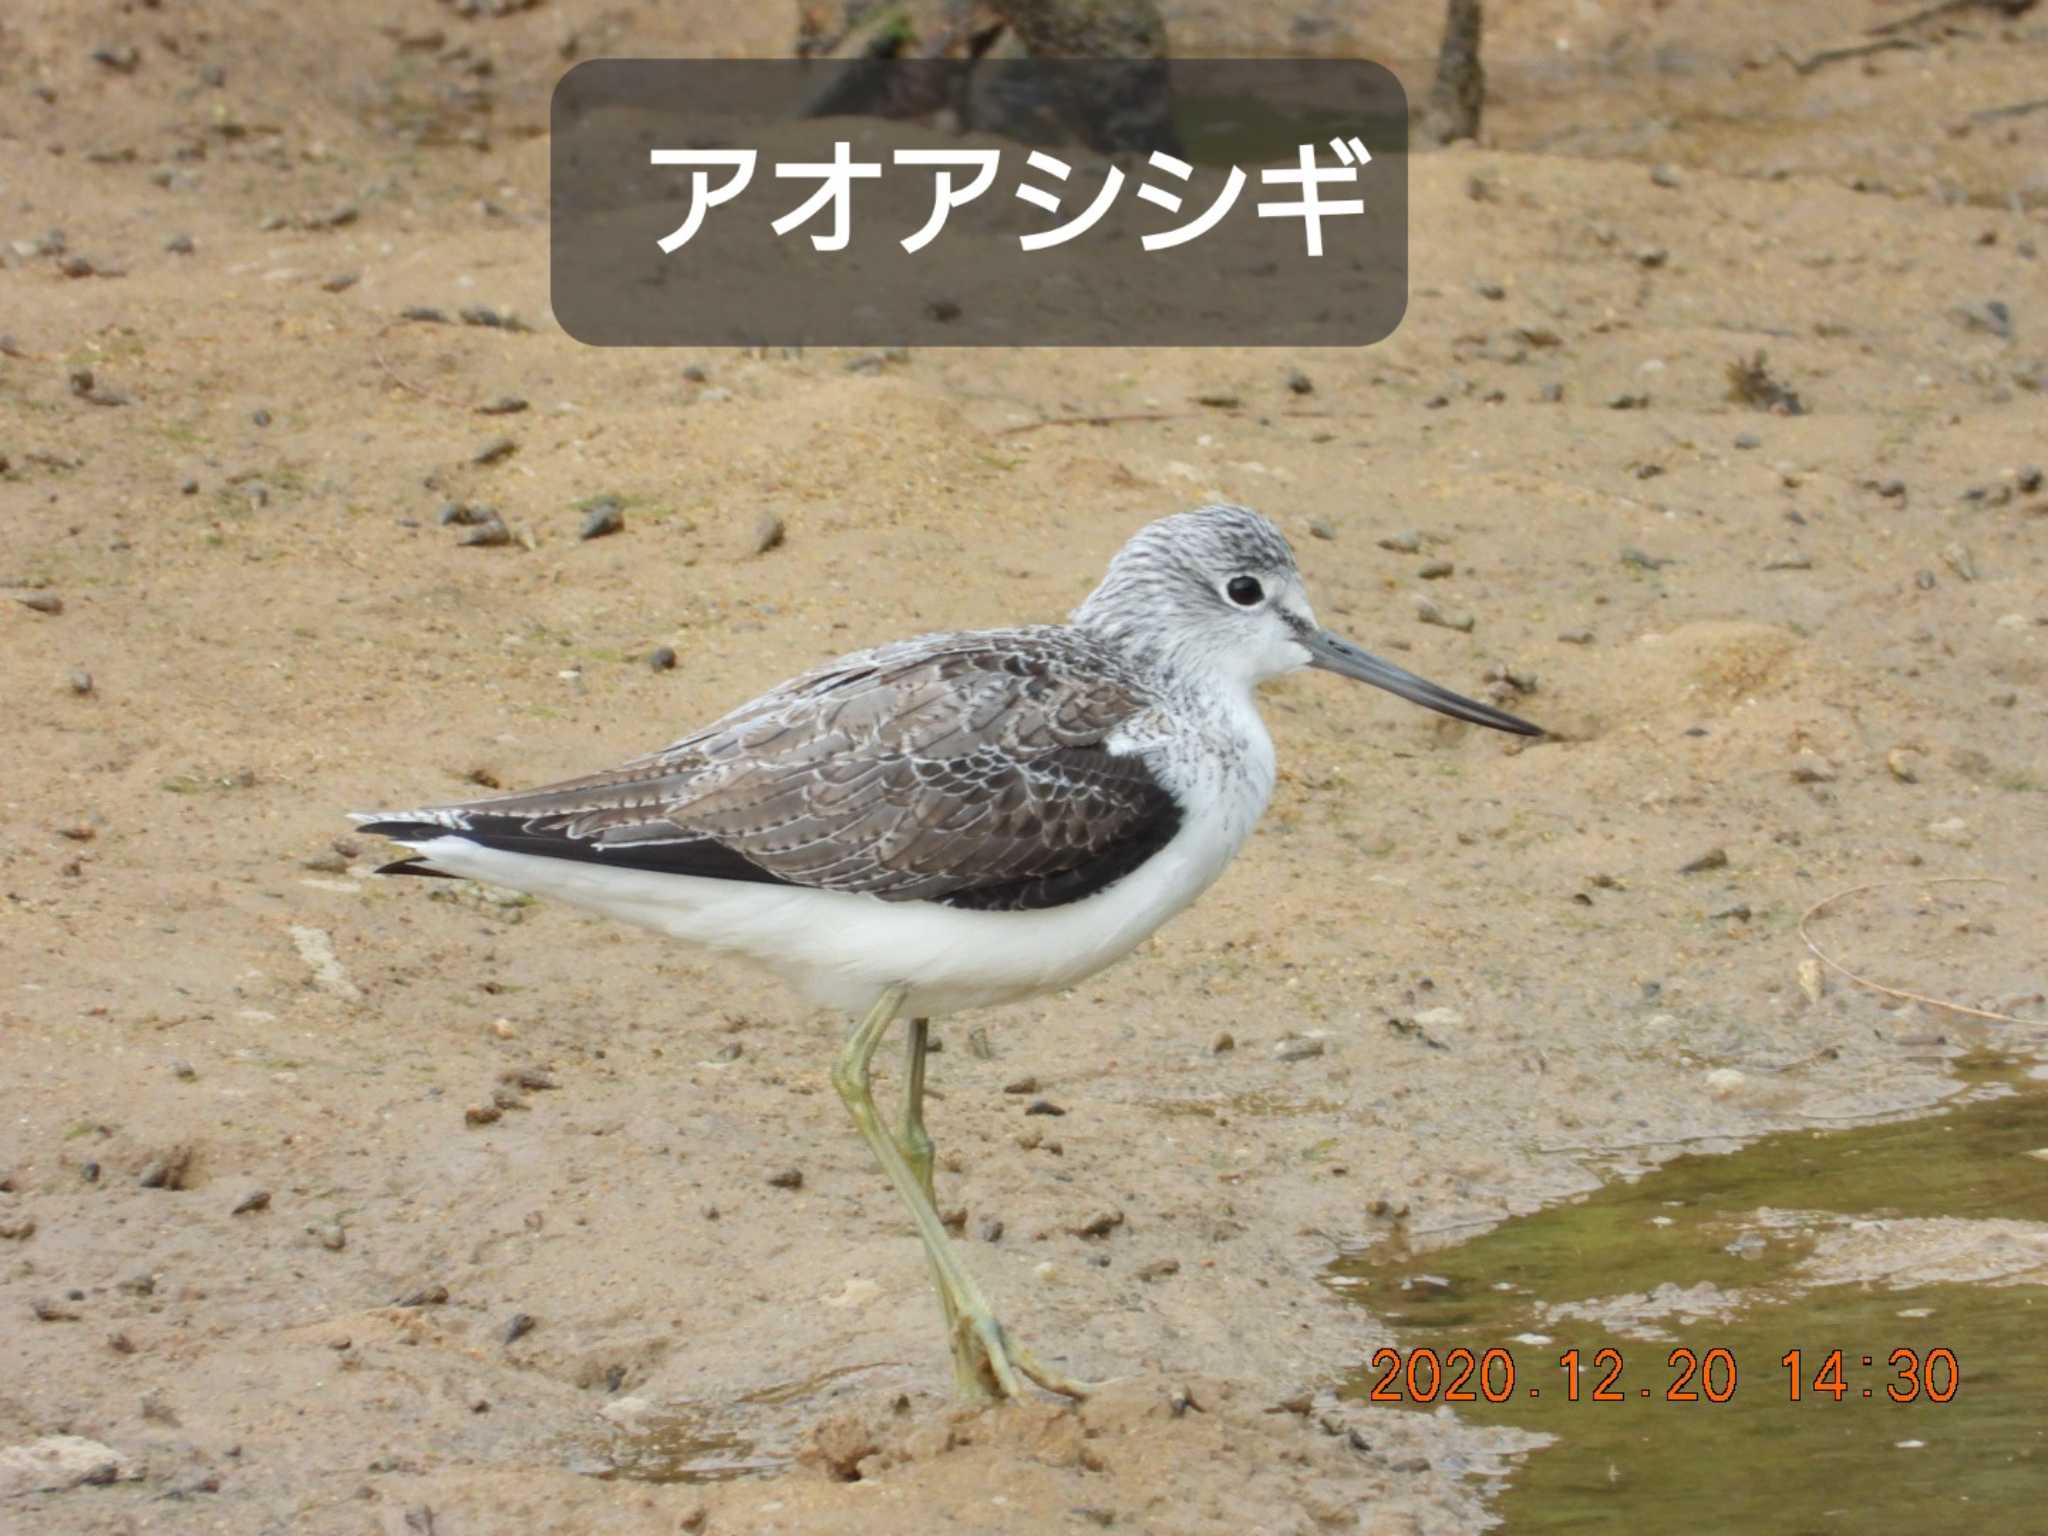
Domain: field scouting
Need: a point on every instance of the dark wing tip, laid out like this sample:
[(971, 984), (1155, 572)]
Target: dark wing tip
[(402, 831), (416, 865)]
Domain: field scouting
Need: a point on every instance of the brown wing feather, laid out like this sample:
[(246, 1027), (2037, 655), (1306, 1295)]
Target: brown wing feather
[(971, 769)]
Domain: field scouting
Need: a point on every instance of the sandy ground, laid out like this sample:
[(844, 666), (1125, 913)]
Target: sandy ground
[(1807, 652)]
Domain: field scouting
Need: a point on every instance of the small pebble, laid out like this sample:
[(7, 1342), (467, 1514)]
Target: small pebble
[(81, 680), (331, 1236), (1436, 570), (1022, 1085), (1748, 440), (1630, 555), (1492, 291), (1814, 769), (255, 1200), (604, 517), (1791, 560), (2029, 480), (424, 1296), (520, 1325), (1406, 542), (42, 602), (1957, 557), (662, 658), (1043, 1107), (1651, 257), (1713, 858), (498, 448), (1550, 394), (259, 418), (424, 314), (1427, 612), (1321, 528), (1099, 1225), (180, 245), (1158, 1269), (1892, 490), (340, 282), (488, 534), (1298, 1049), (992, 1229), (1224, 1042), (1665, 176), (1900, 761), (1576, 636), (504, 405), (788, 1178), (1627, 401), (482, 1114), (188, 487), (1299, 382), (769, 533), (695, 374)]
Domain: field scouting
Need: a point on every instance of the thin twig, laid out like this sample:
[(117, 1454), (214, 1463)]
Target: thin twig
[(1912, 997), (377, 351), (1094, 421), (1944, 8), (1829, 56), (2017, 109)]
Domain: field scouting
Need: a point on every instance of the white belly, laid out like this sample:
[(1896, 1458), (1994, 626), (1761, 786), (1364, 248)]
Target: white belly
[(842, 950)]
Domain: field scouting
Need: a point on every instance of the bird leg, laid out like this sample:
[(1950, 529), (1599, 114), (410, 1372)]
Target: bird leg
[(985, 1361), (916, 1144)]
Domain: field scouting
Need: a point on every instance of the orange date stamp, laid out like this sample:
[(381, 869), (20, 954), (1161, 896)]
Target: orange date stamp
[(1425, 1375)]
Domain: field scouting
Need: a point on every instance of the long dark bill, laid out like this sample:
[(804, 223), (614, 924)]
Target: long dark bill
[(1334, 654)]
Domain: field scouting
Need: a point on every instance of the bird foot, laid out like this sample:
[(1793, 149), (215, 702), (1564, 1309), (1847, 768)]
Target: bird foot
[(992, 1367)]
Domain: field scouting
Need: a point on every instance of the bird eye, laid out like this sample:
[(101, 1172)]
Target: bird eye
[(1245, 591)]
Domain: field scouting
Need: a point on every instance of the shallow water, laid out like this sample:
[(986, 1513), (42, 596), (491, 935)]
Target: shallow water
[(1966, 1450)]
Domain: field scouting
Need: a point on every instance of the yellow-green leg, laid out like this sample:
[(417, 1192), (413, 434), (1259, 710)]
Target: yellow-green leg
[(986, 1363)]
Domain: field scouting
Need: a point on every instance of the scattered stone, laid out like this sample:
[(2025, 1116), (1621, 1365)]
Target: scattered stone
[(992, 1229), (1750, 383), (1651, 257), (316, 948), (532, 1079), (2029, 480), (16, 1229), (604, 517), (331, 1236), (462, 514), (1747, 441), (1022, 1085), (482, 1114), (1924, 580), (423, 1296), (57, 1462), (1427, 612), (490, 531), (496, 450), (1813, 769), (1159, 1269), (1629, 401), (1219, 402), (423, 314), (1406, 542), (1576, 636), (1812, 980), (260, 418), (255, 1200), (340, 282), (1299, 382), (1224, 1042), (168, 1169), (695, 374), (1956, 555), (339, 217), (769, 533), (1666, 176), (1436, 570), (1043, 1107), (180, 245), (1099, 1225), (1550, 394), (1321, 528), (1630, 555), (49, 1310), (504, 405), (43, 602), (1992, 316), (521, 1324), (662, 658), (1900, 761), (1713, 858), (788, 1178), (1891, 490), (1297, 1048), (1791, 560)]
